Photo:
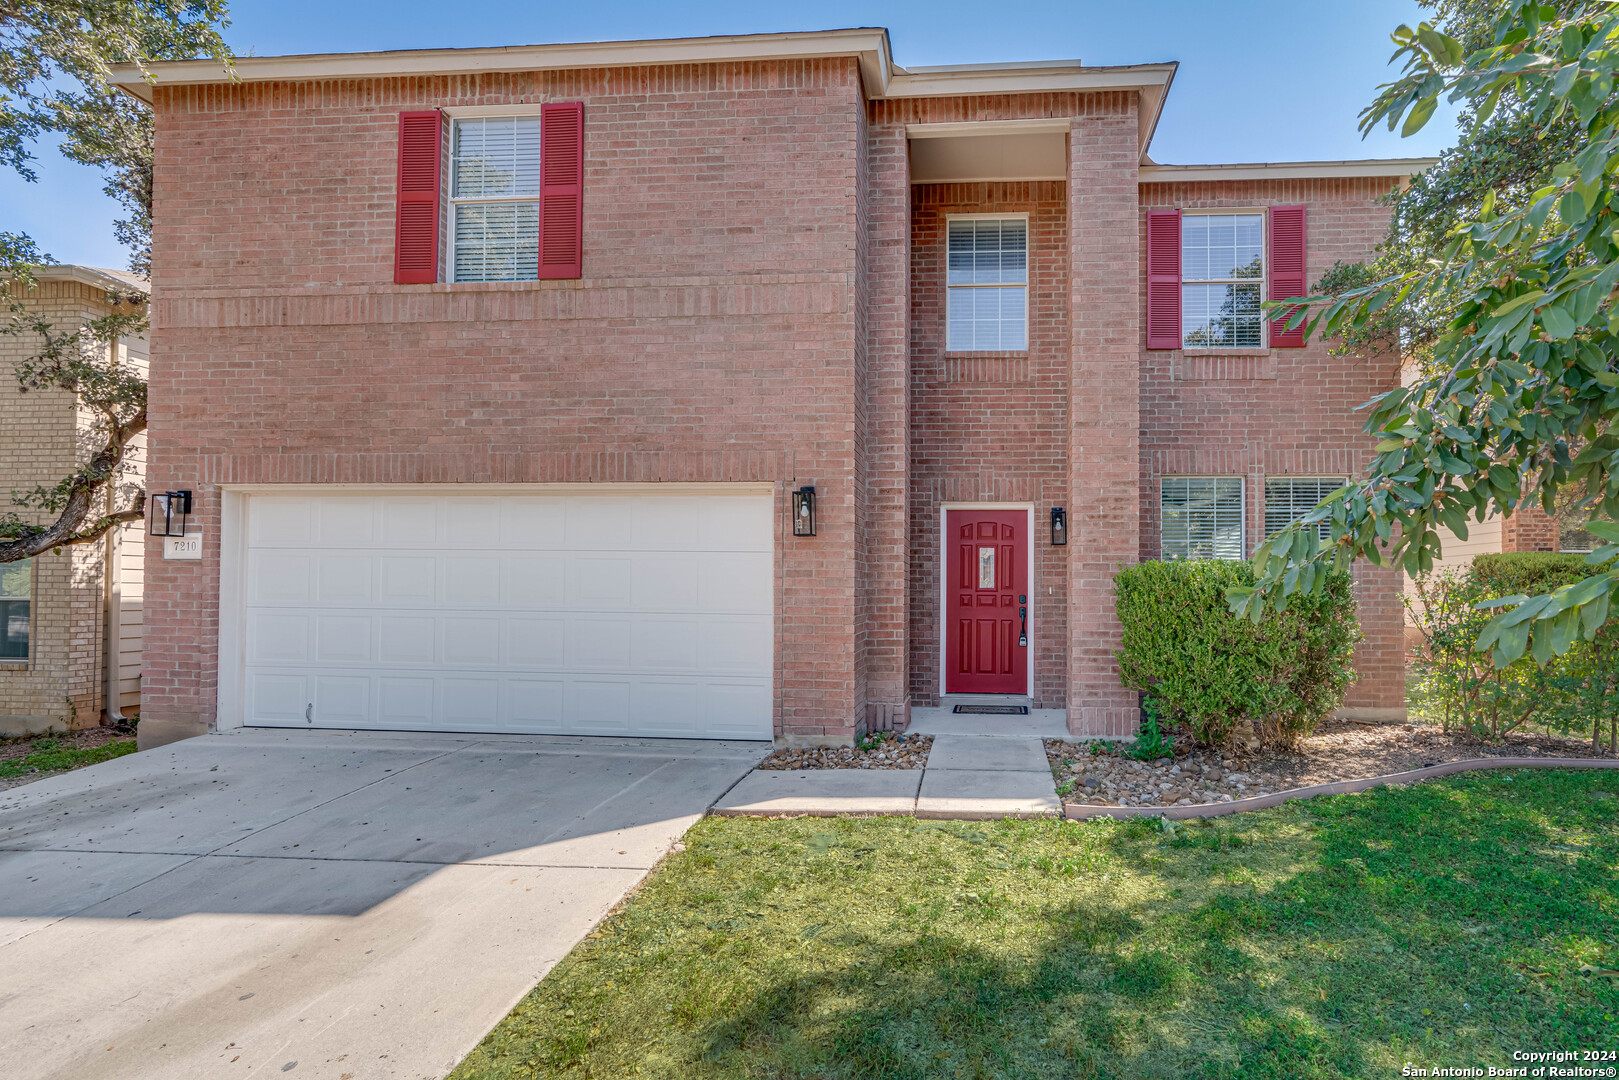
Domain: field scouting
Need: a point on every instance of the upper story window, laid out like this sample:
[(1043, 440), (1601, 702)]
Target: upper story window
[(16, 604), (494, 224), (1200, 517), (987, 285), (1289, 498), (1222, 275)]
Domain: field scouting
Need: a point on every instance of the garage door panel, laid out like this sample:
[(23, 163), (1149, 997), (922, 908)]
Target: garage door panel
[(408, 578), (471, 705), (409, 521), (598, 644), (342, 701), (472, 642), (599, 706), (736, 524), (471, 580), (342, 578), (537, 643), (738, 582), (536, 524), (405, 702), (344, 639), (598, 582), (535, 705), (473, 524), (279, 578), (276, 698), (281, 522), (406, 639), (665, 643), (275, 636), (665, 582), (548, 614), (536, 581), (346, 523)]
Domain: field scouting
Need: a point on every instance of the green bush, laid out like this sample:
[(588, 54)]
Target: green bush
[(1577, 692), (1572, 693), (1212, 671)]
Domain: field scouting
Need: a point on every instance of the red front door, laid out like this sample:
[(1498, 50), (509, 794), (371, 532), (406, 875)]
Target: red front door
[(986, 602)]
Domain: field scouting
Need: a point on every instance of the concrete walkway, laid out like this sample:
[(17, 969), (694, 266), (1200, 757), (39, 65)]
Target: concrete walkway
[(968, 777), (318, 904)]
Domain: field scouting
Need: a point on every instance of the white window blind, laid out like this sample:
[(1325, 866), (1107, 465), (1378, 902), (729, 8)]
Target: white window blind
[(16, 604), (1222, 275), (495, 198), (987, 285), (1288, 498), (1201, 517)]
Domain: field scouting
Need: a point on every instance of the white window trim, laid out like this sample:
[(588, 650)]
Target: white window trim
[(1263, 279), (490, 112), (1242, 482), (944, 579), (18, 662), (1028, 283)]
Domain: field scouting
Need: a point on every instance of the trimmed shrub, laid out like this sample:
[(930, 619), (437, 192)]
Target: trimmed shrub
[(1212, 671), (1577, 692)]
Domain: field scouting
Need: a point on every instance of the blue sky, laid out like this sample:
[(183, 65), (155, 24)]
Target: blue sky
[(1260, 80)]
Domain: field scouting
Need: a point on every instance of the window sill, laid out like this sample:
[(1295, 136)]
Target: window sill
[(1220, 352)]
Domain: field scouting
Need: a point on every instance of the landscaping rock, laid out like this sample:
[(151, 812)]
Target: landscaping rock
[(1338, 751), (892, 752)]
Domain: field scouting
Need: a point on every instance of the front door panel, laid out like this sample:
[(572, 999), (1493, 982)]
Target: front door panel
[(986, 584)]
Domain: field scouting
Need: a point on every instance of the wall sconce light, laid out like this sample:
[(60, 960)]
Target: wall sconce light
[(169, 512), (804, 511), (1059, 526)]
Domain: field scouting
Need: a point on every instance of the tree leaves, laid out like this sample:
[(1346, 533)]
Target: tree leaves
[(1509, 303)]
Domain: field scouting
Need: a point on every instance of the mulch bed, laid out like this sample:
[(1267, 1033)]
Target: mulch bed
[(1337, 751), (83, 739), (893, 752)]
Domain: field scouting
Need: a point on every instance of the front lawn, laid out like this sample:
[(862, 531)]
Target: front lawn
[(1443, 923)]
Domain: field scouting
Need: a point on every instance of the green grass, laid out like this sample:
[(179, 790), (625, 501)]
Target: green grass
[(1445, 923), (50, 756)]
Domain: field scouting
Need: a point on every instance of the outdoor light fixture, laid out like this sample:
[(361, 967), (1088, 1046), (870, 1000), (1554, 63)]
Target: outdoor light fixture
[(169, 513), (804, 511), (1059, 526)]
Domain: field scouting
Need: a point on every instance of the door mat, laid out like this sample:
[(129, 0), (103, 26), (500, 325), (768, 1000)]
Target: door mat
[(992, 710)]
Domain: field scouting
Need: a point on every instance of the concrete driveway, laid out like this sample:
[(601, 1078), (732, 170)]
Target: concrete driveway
[(318, 904)]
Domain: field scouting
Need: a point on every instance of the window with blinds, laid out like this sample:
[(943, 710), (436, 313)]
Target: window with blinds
[(1222, 272), (16, 608), (1288, 498), (1201, 517), (987, 285), (495, 198)]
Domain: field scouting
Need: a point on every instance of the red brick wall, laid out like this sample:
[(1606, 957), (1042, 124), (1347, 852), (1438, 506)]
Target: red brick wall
[(1529, 528), (713, 336), (1279, 411), (990, 427)]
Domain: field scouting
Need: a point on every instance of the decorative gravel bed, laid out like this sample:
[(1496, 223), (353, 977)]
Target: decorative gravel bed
[(1338, 751), (892, 752)]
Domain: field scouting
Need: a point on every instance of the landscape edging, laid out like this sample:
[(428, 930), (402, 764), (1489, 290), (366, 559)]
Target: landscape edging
[(1084, 811)]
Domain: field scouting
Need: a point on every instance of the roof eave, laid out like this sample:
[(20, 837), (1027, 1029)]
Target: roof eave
[(1394, 168)]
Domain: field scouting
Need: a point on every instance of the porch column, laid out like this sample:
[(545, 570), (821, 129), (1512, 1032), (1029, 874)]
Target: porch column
[(1104, 489)]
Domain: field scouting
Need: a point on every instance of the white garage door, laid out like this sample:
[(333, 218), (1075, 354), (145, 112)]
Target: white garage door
[(566, 614)]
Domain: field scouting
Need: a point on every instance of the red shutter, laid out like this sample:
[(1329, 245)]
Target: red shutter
[(1286, 270), (1163, 279), (416, 226), (562, 189)]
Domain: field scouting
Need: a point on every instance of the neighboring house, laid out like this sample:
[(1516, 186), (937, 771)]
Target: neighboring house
[(506, 380), (70, 631)]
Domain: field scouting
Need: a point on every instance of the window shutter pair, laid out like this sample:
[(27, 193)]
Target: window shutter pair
[(1285, 263), (562, 185)]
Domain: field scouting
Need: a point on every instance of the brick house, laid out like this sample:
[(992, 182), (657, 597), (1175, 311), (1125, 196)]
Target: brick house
[(70, 630), (507, 380)]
